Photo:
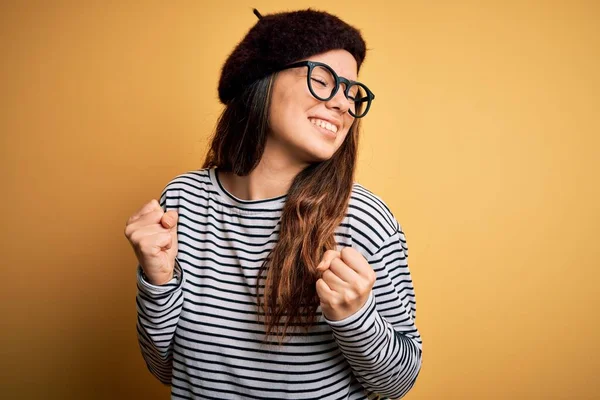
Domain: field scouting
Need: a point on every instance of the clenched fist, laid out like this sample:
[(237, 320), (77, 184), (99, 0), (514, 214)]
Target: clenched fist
[(345, 284), (153, 236)]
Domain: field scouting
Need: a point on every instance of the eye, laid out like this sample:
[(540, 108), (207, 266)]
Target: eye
[(318, 81)]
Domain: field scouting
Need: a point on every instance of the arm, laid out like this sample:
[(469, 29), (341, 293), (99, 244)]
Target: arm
[(381, 341), (158, 310)]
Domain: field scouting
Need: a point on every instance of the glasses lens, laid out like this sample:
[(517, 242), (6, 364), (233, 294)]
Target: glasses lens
[(322, 85), (322, 82), (357, 94)]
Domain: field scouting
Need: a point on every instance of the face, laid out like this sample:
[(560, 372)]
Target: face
[(293, 110)]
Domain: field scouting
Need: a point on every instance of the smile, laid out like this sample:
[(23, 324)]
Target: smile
[(326, 132), (324, 124)]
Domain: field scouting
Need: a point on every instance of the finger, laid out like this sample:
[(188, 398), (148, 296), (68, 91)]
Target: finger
[(323, 290), (169, 219), (164, 241), (356, 261), (334, 282), (146, 208), (154, 244), (151, 218), (327, 258), (147, 230), (343, 271)]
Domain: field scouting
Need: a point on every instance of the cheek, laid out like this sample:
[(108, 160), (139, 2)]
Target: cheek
[(278, 110), (348, 121), (288, 113), (279, 116)]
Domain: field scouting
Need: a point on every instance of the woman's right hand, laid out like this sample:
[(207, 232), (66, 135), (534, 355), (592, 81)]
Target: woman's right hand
[(153, 236)]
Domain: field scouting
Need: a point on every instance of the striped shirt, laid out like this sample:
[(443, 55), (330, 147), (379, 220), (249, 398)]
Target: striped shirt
[(201, 332)]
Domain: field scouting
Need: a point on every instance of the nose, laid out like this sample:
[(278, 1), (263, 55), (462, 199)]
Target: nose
[(339, 101)]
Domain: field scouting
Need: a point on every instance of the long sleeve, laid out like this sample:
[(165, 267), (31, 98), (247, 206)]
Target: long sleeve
[(381, 341), (158, 310)]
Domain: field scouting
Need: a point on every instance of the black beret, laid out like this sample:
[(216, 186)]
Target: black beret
[(282, 38)]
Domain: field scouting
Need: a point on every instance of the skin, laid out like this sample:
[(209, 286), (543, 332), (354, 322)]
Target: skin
[(292, 144), (345, 284)]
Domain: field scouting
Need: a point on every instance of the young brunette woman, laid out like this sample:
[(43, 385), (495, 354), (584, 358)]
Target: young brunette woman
[(269, 273)]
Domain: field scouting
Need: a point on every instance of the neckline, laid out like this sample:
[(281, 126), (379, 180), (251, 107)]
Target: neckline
[(246, 206)]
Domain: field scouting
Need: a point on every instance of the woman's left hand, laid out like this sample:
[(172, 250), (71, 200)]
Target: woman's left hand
[(345, 284)]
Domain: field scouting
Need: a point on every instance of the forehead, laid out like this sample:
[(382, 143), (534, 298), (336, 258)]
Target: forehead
[(342, 62)]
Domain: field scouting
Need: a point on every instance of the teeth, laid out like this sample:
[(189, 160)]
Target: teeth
[(324, 124)]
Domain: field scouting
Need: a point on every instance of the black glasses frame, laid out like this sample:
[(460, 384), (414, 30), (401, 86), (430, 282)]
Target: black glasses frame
[(338, 80)]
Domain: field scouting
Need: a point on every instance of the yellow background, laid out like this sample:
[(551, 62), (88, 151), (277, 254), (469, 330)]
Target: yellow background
[(483, 140)]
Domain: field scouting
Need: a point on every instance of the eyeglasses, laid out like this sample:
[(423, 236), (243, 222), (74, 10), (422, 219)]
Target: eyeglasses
[(324, 83)]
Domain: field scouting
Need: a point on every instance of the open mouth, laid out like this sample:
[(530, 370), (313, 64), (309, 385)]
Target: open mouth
[(324, 131)]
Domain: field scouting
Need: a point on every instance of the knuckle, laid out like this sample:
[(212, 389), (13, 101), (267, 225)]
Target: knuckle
[(336, 262), (364, 287), (328, 254), (134, 236), (349, 297), (139, 239), (144, 245), (360, 285), (372, 277), (346, 251), (334, 301)]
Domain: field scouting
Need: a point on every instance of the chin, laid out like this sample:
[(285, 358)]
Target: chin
[(321, 154)]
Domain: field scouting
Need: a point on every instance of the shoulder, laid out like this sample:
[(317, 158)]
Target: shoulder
[(371, 220), (188, 181), (188, 184)]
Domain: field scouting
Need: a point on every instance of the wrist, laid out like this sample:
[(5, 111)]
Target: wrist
[(159, 280)]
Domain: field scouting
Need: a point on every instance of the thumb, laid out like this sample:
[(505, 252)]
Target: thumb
[(169, 219)]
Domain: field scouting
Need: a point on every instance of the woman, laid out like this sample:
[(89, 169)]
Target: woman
[(269, 273)]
